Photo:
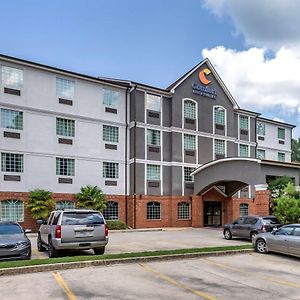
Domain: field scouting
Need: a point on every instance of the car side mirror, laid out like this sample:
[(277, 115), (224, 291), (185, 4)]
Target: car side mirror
[(40, 222), (28, 230), (234, 223), (274, 231)]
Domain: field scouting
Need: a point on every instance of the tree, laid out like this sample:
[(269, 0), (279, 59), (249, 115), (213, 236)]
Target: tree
[(40, 203), (296, 150), (91, 197), (287, 206)]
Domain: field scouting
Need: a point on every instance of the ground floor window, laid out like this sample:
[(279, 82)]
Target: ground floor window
[(65, 204), (153, 211), (184, 211), (243, 209), (111, 212), (12, 210)]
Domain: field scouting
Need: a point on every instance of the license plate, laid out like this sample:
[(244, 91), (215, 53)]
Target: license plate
[(84, 234)]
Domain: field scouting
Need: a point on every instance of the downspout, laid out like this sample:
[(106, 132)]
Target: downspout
[(134, 162), (126, 153)]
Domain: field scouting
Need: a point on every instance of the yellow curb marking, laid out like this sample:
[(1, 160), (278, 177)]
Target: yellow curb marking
[(38, 254), (176, 283), (64, 286)]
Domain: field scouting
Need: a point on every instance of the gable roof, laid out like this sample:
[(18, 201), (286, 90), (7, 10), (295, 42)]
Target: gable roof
[(174, 85)]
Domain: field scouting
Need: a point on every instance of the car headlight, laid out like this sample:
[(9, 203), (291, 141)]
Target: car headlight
[(22, 244)]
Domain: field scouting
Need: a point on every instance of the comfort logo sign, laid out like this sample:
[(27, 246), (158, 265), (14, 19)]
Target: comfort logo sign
[(202, 76)]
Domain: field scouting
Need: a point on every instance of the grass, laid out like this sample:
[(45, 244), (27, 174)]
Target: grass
[(67, 259)]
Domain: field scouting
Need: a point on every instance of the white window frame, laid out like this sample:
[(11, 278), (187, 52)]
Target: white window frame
[(248, 146), (22, 213), (20, 87), (214, 144), (182, 111), (225, 118)]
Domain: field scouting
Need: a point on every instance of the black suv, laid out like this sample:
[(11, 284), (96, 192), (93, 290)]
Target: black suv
[(250, 226)]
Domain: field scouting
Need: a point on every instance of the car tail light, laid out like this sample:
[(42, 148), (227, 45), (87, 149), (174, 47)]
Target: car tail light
[(58, 232), (263, 228), (106, 230)]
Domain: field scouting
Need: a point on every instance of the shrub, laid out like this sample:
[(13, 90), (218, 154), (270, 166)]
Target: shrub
[(116, 225)]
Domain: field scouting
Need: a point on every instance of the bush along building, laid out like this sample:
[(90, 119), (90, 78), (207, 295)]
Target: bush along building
[(186, 155)]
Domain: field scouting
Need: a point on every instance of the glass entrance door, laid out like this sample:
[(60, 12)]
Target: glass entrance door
[(212, 213)]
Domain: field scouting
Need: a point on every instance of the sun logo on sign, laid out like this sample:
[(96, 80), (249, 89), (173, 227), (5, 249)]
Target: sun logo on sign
[(202, 76)]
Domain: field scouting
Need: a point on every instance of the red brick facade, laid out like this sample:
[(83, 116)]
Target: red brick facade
[(133, 210)]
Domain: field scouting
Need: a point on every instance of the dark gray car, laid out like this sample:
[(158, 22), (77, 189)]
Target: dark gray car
[(14, 244), (250, 226), (284, 240)]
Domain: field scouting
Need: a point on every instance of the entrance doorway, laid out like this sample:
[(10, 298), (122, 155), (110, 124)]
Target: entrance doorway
[(212, 213)]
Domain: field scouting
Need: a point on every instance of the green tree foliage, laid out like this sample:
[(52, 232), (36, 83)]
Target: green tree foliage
[(91, 197), (40, 203), (287, 206), (277, 185), (296, 150)]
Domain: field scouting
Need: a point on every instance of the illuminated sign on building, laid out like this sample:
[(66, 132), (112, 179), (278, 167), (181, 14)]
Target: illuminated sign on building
[(204, 90)]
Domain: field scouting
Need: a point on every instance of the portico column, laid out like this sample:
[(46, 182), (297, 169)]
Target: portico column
[(197, 211)]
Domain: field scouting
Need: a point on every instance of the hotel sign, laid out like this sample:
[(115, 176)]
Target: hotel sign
[(203, 90)]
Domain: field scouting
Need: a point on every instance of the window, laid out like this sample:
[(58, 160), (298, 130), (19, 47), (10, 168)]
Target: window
[(12, 210), (219, 115), (65, 127), (285, 230), (65, 166), (111, 98), (244, 122), (11, 119), (12, 77), (110, 134), (153, 137), (187, 174), (281, 157), (244, 150), (111, 212), (153, 211), (184, 211), (64, 204), (189, 109), (12, 162), (189, 142), (260, 128), (243, 209), (220, 147), (110, 170), (260, 154), (65, 88), (281, 133), (153, 172), (153, 102)]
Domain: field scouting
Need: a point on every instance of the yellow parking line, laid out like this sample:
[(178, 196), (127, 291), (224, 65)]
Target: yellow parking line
[(64, 286), (38, 254), (176, 283)]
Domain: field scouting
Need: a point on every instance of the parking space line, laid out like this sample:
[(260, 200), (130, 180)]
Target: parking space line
[(64, 286), (178, 284), (38, 254)]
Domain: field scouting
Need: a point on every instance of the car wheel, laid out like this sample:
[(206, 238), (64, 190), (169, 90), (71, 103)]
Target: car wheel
[(40, 245), (52, 252), (227, 234), (261, 246), (99, 251), (29, 255), (253, 235)]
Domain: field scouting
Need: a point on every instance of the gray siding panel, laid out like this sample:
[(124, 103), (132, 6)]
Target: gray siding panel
[(167, 146), (205, 149), (167, 180), (176, 180), (176, 146), (140, 106), (140, 143), (231, 149), (154, 155), (140, 179), (167, 112)]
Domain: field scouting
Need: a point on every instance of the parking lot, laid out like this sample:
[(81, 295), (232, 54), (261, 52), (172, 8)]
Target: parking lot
[(169, 238), (243, 276)]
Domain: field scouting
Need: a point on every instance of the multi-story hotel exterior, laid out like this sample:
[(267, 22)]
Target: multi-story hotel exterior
[(147, 148)]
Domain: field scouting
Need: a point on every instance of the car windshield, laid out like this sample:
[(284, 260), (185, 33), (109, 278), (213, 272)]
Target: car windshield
[(79, 218), (271, 220), (10, 229)]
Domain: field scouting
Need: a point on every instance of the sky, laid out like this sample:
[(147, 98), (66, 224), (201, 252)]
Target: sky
[(253, 44)]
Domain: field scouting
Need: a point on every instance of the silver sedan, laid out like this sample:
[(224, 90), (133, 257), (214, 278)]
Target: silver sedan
[(285, 240)]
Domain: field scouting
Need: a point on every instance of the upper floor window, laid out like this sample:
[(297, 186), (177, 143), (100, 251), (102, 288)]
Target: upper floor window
[(65, 166), (110, 134), (219, 113), (243, 209), (260, 128), (110, 170), (244, 122), (12, 162), (12, 211), (65, 127), (65, 88), (189, 142), (111, 98), (65, 204), (11, 119), (244, 150), (219, 148), (153, 172), (281, 156), (153, 102), (12, 77), (260, 154), (187, 174), (189, 108), (153, 137), (281, 133)]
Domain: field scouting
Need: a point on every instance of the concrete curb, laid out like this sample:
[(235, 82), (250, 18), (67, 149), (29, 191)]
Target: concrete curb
[(107, 262)]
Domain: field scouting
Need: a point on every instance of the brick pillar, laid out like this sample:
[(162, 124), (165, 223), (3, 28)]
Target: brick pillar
[(262, 202), (197, 211)]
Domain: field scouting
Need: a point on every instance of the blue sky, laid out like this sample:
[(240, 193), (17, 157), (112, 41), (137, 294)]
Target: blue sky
[(156, 41)]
